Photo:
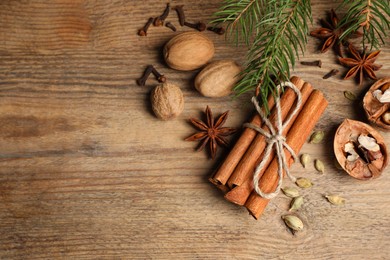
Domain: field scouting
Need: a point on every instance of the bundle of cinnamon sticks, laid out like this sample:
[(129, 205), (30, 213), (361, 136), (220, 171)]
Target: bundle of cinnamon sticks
[(235, 175)]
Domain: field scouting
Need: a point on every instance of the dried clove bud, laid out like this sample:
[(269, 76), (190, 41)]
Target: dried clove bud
[(376, 103), (331, 73), (360, 150), (159, 21), (316, 63)]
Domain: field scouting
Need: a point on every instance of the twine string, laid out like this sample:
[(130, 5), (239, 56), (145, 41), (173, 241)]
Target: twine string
[(275, 138)]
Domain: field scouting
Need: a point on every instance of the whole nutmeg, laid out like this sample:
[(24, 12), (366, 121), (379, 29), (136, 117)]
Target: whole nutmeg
[(218, 78), (167, 101), (188, 51)]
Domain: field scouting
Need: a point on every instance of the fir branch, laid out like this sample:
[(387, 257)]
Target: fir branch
[(282, 33), (241, 17), (371, 15)]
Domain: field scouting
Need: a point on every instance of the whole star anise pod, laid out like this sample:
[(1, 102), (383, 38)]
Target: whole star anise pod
[(211, 132), (360, 63), (331, 32)]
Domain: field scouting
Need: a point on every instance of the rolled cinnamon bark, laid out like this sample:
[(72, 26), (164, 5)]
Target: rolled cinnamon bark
[(240, 194), (296, 137), (247, 163)]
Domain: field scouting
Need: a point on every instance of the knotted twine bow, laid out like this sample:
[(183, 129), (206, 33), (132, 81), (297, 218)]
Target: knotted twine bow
[(275, 138)]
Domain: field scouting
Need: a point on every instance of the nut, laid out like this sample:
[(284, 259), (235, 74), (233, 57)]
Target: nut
[(376, 103), (360, 150), (218, 78), (188, 51), (167, 101)]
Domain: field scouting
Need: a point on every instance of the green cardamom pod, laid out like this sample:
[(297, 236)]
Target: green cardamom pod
[(290, 192), (305, 159), (304, 183), (349, 95), (296, 203), (317, 137), (336, 200), (319, 165), (293, 222)]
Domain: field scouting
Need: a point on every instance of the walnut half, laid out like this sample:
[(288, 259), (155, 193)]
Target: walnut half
[(376, 103), (360, 150)]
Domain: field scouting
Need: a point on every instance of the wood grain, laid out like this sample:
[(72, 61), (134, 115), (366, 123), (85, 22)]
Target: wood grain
[(87, 172)]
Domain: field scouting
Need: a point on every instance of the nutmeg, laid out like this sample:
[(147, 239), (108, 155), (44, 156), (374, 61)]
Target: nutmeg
[(218, 78), (375, 105), (360, 150), (167, 101), (188, 51)]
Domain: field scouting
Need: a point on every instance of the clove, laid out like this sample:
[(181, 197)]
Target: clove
[(143, 31), (217, 30), (159, 20), (149, 69), (198, 26), (316, 63), (180, 13), (170, 26), (160, 77), (331, 73)]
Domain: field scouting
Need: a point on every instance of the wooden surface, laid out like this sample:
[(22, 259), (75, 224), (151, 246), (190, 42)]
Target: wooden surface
[(87, 171)]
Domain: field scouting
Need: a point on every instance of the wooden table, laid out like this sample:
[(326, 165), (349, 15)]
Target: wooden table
[(87, 171)]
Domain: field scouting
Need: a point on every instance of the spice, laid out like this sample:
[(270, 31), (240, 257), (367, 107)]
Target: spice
[(248, 163), (217, 30), (331, 73), (319, 165), (316, 63), (304, 183), (160, 77), (290, 192), (211, 131), (296, 203), (317, 137), (330, 32), (170, 26), (305, 159), (159, 21), (167, 101), (141, 81), (303, 125), (293, 222), (336, 200), (218, 78), (360, 64), (143, 31), (188, 51), (180, 13), (349, 95), (198, 26)]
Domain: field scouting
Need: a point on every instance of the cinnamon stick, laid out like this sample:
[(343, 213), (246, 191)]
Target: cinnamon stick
[(240, 194), (247, 164), (295, 138)]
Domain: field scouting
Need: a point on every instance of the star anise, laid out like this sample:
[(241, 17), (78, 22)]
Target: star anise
[(211, 131), (331, 32), (360, 63)]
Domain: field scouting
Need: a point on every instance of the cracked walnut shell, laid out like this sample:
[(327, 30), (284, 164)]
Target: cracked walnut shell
[(376, 105), (360, 150)]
